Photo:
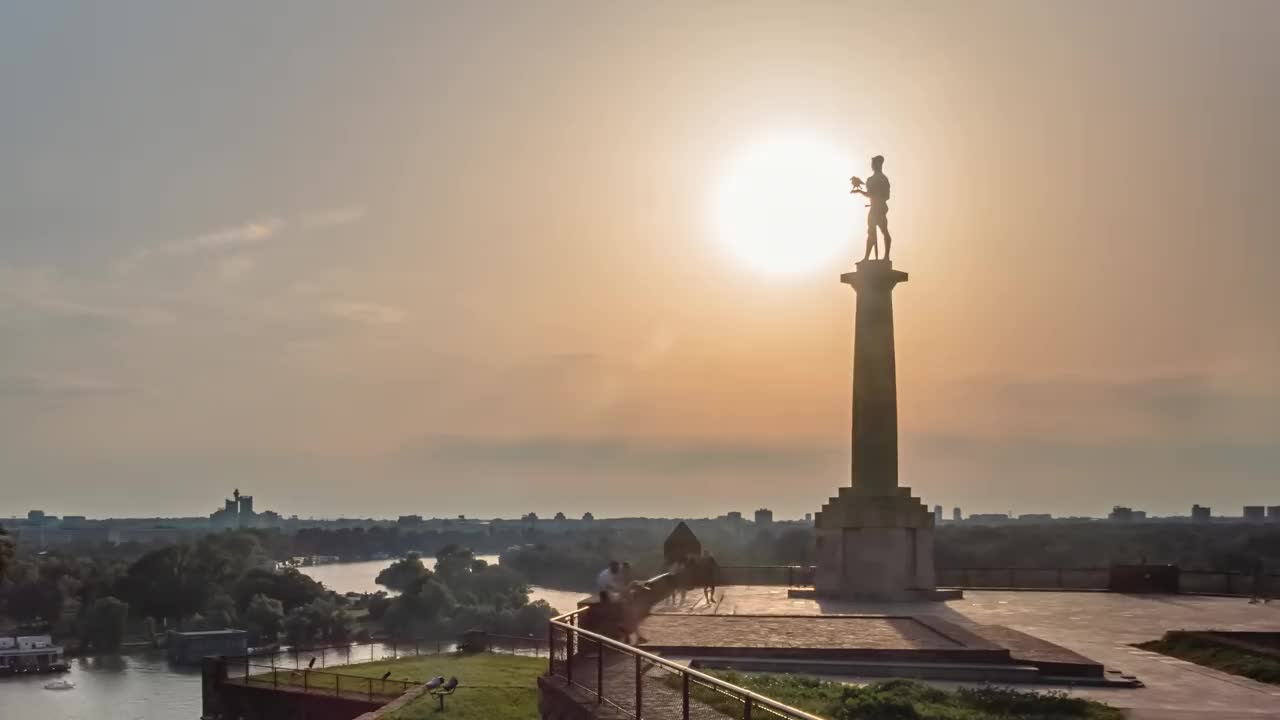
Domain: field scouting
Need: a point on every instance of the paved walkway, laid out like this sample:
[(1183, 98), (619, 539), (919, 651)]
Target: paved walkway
[(661, 691), (1101, 626)]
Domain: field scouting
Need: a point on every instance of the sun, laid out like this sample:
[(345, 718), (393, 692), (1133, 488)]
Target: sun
[(784, 205)]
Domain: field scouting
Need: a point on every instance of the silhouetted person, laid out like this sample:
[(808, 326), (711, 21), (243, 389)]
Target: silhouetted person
[(876, 190)]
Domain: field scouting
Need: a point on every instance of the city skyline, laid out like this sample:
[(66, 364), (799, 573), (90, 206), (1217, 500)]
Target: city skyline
[(464, 262)]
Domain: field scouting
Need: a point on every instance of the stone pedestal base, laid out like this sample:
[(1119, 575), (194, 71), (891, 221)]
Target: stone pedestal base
[(875, 548)]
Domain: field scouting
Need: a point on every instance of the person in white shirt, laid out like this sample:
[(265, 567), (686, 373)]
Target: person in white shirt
[(610, 582)]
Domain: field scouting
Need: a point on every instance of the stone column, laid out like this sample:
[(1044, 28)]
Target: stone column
[(874, 539), (875, 379)]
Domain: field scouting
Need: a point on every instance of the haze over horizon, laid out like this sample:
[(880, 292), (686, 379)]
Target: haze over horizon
[(369, 260)]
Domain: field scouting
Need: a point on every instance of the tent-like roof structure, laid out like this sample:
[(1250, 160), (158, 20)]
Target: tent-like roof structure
[(680, 544)]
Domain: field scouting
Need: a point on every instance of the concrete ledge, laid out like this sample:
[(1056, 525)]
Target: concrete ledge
[(935, 595)]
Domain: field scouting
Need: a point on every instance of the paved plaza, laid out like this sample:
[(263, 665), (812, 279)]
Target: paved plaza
[(1099, 625)]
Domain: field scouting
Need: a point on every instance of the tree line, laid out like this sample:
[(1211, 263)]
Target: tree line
[(94, 600)]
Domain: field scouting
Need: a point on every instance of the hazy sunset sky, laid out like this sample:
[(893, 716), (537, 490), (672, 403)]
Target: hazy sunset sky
[(372, 258)]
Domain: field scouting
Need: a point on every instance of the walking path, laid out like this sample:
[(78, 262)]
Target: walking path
[(1101, 626)]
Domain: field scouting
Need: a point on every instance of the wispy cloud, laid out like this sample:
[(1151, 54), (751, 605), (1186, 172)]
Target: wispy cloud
[(333, 217), (54, 385), (367, 313), (49, 294), (247, 234), (642, 455)]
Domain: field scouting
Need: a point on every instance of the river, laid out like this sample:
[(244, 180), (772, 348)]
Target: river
[(143, 686)]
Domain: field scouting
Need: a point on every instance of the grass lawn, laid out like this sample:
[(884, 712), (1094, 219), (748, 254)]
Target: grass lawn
[(910, 700), (490, 685), (1204, 651)]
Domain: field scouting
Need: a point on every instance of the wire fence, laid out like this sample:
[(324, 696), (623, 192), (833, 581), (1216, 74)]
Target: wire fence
[(312, 670), (637, 684), (325, 656)]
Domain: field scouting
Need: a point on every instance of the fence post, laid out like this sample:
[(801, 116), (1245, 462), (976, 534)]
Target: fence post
[(568, 657), (684, 692), (295, 658), (746, 708), (337, 685), (306, 686), (274, 681), (599, 672), (639, 687)]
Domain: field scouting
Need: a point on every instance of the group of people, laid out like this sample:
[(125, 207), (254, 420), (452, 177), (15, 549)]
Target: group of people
[(692, 572), (624, 601)]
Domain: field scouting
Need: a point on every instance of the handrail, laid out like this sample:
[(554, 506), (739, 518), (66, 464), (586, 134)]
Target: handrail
[(717, 683)]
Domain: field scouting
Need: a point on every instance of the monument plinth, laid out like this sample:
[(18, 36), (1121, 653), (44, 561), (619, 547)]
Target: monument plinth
[(874, 539)]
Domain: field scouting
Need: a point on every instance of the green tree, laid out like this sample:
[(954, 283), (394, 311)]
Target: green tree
[(298, 629), (292, 588), (37, 600), (263, 619), (454, 562), (403, 573), (174, 582), (102, 625), (420, 610), (220, 612)]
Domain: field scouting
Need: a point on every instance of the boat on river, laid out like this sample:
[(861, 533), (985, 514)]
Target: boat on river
[(31, 654)]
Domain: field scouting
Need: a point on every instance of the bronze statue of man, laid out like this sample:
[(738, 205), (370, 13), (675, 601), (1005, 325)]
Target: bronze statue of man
[(876, 189)]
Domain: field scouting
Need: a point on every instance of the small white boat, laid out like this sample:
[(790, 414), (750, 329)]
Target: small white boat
[(59, 685)]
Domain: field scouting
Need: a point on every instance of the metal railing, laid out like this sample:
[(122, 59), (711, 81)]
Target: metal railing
[(1209, 582), (353, 653), (323, 682), (639, 684)]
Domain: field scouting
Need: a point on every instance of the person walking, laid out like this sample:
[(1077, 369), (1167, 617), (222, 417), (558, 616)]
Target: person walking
[(710, 575)]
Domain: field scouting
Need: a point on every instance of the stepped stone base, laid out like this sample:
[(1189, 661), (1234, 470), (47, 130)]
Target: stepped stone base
[(875, 547)]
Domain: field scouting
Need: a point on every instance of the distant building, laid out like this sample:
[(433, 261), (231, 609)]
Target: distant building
[(764, 516), (937, 513), (409, 520), (1120, 513), (186, 648), (1255, 513), (1035, 517), (237, 512), (1200, 513), (733, 515), (989, 518), (36, 517), (955, 514), (30, 653), (808, 517), (1273, 513)]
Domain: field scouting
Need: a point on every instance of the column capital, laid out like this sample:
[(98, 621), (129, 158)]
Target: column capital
[(873, 275)]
